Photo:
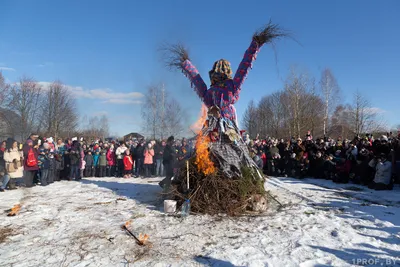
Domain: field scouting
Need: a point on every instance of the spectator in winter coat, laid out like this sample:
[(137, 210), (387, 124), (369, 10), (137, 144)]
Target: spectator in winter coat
[(30, 162), (128, 164), (102, 164), (159, 152), (52, 168), (74, 159), (139, 153), (148, 159), (59, 166), (110, 161), (120, 152), (383, 175), (89, 164), (44, 166), (96, 158), (4, 178), (13, 162), (169, 158)]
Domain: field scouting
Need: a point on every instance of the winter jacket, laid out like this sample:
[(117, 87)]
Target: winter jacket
[(110, 157), (120, 152), (103, 159), (139, 152), (44, 163), (158, 151), (59, 162), (148, 156), (169, 156), (74, 157), (128, 163), (26, 148), (52, 161), (96, 160), (89, 160), (9, 158), (383, 173)]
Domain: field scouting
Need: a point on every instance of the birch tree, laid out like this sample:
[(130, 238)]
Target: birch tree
[(250, 121), (330, 92), (162, 115)]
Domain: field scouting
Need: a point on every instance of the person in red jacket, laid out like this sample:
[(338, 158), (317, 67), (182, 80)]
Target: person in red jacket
[(128, 164), (111, 161)]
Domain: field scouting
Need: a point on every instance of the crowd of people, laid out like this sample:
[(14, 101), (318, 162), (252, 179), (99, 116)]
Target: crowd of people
[(42, 161), (363, 160)]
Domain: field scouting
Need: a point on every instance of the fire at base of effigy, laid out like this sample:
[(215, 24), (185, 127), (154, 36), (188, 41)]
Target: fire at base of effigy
[(223, 178)]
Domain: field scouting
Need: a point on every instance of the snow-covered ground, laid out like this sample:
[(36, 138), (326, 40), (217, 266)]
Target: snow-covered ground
[(78, 224)]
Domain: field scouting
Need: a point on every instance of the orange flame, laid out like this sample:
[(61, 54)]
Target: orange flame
[(203, 161), (14, 210), (128, 223), (143, 238), (198, 125)]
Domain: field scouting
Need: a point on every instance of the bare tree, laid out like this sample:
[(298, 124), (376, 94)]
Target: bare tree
[(104, 127), (298, 88), (59, 110), (173, 118), (4, 90), (364, 118), (25, 102), (151, 110), (162, 115), (250, 120), (330, 92)]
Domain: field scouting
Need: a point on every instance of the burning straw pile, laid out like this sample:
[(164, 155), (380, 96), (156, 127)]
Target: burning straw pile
[(213, 189), (214, 193)]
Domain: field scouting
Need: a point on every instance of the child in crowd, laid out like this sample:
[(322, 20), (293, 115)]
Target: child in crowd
[(96, 158), (102, 164), (44, 165), (128, 164), (89, 164)]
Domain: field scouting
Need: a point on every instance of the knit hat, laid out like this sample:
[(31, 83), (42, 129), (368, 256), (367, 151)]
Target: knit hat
[(171, 139)]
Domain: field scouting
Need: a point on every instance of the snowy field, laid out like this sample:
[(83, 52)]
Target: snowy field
[(79, 224)]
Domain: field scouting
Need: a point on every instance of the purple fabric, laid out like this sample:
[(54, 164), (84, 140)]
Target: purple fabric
[(222, 96)]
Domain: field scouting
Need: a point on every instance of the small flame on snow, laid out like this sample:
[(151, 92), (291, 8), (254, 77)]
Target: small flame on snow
[(14, 210), (143, 238), (128, 223)]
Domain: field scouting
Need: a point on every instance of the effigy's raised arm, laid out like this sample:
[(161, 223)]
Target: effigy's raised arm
[(268, 34), (177, 57)]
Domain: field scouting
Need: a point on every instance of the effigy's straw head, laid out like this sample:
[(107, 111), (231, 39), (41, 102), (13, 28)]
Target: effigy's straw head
[(220, 71)]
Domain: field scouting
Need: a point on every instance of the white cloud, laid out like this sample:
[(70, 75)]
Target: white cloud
[(375, 110), (6, 68), (107, 95)]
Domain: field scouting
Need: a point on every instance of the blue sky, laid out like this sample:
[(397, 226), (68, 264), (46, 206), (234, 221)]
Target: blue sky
[(106, 51)]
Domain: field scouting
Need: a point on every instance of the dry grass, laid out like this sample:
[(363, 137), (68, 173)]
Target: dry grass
[(173, 55), (215, 193), (5, 233)]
